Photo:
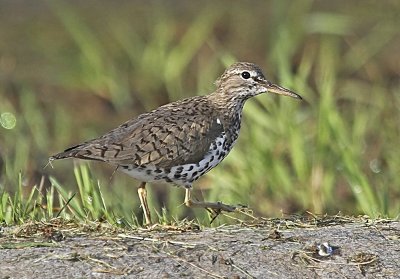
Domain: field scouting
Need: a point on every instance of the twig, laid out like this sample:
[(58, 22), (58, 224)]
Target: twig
[(65, 205), (173, 242)]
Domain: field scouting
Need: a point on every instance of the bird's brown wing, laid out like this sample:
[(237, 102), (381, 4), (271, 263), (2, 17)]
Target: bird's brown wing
[(174, 134)]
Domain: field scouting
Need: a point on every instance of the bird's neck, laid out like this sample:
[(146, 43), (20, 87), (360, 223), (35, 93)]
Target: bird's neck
[(230, 103), (230, 107)]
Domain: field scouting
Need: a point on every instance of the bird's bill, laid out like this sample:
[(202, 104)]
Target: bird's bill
[(273, 88)]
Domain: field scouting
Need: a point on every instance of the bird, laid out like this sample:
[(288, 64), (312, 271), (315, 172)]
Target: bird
[(179, 142)]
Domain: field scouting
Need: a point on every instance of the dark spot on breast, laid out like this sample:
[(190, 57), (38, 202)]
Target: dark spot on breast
[(177, 175), (190, 168), (148, 172), (158, 170)]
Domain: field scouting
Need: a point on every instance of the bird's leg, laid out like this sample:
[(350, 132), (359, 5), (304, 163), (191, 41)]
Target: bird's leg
[(142, 192), (216, 206)]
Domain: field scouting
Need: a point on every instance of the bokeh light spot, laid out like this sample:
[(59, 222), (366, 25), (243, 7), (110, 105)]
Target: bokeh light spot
[(8, 120)]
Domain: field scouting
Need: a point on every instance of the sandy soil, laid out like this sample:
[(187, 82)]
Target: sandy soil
[(330, 247)]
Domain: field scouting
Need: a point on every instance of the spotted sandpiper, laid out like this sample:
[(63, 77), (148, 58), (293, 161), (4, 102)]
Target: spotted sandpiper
[(181, 141)]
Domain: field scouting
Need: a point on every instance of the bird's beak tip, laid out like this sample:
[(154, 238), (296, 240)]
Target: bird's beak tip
[(297, 96), (273, 88)]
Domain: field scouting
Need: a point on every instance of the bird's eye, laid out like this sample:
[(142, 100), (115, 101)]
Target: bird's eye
[(245, 75)]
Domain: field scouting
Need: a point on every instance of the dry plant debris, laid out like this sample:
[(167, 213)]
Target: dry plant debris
[(269, 248)]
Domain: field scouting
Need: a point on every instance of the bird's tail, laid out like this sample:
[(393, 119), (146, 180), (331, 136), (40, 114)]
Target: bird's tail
[(79, 151)]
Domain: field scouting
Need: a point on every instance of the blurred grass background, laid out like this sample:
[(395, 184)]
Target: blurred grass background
[(72, 70)]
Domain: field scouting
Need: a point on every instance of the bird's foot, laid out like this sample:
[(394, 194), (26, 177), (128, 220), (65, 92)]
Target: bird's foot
[(215, 208), (224, 207)]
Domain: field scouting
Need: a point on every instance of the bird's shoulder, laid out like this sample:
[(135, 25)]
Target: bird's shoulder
[(192, 114)]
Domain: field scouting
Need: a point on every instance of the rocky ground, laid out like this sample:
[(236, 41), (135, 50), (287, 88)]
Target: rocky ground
[(328, 247)]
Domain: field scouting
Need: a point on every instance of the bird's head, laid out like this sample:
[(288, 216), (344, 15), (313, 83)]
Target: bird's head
[(247, 80)]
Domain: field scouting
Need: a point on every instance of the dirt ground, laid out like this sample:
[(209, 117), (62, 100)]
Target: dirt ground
[(328, 247)]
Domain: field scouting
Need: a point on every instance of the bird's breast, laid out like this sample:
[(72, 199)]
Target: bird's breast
[(186, 174)]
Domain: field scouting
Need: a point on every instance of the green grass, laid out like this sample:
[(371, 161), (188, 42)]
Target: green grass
[(84, 69)]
